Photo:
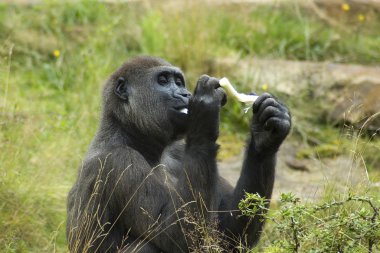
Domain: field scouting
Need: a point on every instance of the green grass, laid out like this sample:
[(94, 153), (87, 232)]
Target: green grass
[(49, 106)]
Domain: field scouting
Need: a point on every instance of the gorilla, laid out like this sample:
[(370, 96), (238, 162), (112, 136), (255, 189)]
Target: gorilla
[(149, 182)]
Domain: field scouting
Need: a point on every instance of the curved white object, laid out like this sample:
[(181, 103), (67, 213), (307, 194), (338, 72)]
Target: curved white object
[(248, 99)]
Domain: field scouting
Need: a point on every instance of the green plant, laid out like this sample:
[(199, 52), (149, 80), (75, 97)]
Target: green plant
[(351, 224)]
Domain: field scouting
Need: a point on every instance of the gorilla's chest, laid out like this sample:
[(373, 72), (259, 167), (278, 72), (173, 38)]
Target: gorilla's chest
[(172, 159)]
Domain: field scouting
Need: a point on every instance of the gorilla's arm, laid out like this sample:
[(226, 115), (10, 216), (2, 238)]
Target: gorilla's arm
[(270, 125), (199, 159)]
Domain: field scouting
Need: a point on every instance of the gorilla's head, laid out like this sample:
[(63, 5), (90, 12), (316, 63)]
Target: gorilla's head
[(148, 95)]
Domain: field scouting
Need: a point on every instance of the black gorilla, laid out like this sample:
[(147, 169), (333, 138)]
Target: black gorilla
[(152, 164)]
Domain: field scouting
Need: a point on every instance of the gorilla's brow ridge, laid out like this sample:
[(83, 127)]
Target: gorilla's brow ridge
[(167, 70)]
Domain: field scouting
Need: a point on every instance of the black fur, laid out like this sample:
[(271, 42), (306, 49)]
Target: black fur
[(151, 167)]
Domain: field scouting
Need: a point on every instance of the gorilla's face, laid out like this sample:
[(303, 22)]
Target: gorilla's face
[(171, 98), (154, 99)]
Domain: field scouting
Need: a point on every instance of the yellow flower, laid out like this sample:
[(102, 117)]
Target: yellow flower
[(345, 7), (337, 142), (361, 17), (56, 53), (264, 87)]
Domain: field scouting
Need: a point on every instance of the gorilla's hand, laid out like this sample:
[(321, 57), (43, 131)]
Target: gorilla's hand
[(271, 123), (208, 93), (204, 107)]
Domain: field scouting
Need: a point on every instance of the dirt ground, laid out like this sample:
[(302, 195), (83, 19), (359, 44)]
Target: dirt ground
[(341, 172)]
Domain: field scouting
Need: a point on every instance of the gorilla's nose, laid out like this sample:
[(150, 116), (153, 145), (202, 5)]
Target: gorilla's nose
[(185, 94)]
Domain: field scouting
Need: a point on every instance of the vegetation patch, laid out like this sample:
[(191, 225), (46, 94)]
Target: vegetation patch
[(348, 224)]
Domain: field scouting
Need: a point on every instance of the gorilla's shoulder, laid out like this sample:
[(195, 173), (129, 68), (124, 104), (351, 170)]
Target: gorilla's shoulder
[(111, 157)]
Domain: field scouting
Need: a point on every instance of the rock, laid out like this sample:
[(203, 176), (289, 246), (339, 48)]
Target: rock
[(295, 164), (356, 100)]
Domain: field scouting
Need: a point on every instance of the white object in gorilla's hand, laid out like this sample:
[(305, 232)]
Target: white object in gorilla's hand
[(248, 99)]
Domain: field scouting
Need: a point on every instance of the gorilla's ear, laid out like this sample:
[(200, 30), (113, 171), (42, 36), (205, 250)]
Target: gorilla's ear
[(121, 89)]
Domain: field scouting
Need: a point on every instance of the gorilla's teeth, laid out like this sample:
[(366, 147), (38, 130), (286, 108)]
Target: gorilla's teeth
[(184, 110)]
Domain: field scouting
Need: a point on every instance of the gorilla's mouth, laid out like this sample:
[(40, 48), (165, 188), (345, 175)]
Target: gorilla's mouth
[(183, 110)]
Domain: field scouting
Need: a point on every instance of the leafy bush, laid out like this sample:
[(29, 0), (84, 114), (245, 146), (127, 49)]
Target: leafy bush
[(351, 224)]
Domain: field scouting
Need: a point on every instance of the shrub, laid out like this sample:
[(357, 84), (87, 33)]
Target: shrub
[(351, 224)]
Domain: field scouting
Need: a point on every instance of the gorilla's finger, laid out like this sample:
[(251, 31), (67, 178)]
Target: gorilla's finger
[(259, 101), (213, 82), (201, 84), (270, 101), (281, 106), (224, 99), (268, 112), (221, 95), (278, 125), (208, 84)]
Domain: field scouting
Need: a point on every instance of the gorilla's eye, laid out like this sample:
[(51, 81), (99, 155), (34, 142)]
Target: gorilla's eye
[(162, 79), (178, 81)]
